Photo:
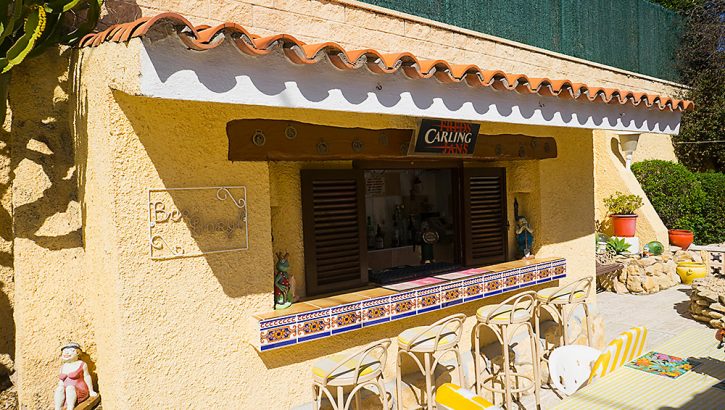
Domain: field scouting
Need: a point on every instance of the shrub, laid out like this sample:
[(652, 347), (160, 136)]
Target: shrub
[(685, 200), (713, 228)]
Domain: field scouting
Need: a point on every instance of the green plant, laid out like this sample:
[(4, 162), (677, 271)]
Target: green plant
[(621, 204), (28, 27), (685, 200), (618, 245), (701, 63)]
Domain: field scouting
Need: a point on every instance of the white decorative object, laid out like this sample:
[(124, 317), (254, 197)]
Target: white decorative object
[(628, 143), (75, 385), (185, 222)]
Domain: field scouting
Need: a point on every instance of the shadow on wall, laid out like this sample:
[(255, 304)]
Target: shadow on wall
[(184, 158), (118, 11)]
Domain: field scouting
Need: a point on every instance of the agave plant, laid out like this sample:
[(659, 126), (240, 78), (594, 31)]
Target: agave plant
[(618, 245)]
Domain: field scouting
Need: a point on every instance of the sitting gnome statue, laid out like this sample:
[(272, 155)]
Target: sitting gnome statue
[(75, 385)]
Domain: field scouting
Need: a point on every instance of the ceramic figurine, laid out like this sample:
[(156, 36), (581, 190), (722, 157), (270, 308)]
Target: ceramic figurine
[(75, 385), (524, 236), (282, 286)]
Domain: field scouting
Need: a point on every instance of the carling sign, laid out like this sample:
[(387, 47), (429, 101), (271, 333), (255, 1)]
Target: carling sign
[(454, 138)]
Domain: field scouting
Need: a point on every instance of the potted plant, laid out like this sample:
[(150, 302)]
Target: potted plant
[(618, 245), (621, 209), (681, 237)]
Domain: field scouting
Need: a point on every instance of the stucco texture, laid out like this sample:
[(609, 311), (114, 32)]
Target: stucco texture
[(612, 176)]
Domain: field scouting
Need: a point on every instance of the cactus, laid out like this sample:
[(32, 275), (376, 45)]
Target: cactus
[(28, 27)]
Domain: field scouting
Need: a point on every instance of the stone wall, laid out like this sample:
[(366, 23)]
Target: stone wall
[(707, 301), (642, 275)]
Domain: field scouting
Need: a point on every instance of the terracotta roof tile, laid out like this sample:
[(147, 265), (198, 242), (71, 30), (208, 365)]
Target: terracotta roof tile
[(206, 37)]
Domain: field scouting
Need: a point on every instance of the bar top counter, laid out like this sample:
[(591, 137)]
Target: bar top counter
[(324, 317)]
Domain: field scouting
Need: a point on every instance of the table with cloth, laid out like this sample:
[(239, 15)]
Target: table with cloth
[(629, 389)]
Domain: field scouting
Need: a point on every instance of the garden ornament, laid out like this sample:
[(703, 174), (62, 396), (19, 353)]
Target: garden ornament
[(524, 236), (282, 285), (75, 385)]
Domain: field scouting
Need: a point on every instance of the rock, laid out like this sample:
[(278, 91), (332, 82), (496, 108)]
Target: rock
[(707, 295), (696, 256), (715, 315), (619, 287), (721, 299), (716, 323), (634, 284), (701, 318), (683, 256), (702, 302), (719, 307), (644, 262), (654, 270), (650, 286), (664, 282)]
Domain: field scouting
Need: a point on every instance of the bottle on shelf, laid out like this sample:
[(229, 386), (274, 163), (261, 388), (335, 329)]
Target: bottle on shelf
[(379, 238), (371, 233)]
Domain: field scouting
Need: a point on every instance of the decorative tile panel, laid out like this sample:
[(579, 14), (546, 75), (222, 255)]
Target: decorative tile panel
[(293, 329)]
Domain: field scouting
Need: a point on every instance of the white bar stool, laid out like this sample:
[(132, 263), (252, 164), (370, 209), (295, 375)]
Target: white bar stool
[(504, 320), (439, 338), (561, 301), (357, 370)]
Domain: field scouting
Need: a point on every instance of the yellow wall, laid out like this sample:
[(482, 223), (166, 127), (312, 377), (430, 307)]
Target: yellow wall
[(612, 176), (81, 263)]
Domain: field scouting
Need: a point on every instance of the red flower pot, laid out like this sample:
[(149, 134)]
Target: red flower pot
[(624, 225), (681, 237)]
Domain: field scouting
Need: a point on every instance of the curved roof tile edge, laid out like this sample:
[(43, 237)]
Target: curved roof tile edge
[(205, 37)]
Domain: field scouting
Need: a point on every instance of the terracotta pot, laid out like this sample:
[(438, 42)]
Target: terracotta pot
[(690, 271), (624, 225), (681, 237)]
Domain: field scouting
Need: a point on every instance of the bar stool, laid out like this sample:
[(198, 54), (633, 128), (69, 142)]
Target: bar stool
[(439, 338), (357, 370), (561, 301), (504, 320)]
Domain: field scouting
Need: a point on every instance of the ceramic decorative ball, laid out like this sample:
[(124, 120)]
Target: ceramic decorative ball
[(653, 248)]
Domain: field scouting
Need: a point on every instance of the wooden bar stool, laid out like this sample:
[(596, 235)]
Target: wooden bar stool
[(561, 301), (504, 320), (357, 370), (439, 338)]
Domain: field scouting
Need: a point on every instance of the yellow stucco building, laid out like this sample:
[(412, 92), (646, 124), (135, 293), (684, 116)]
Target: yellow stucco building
[(152, 174)]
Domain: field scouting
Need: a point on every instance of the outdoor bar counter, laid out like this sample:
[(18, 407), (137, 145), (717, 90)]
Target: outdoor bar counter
[(325, 317)]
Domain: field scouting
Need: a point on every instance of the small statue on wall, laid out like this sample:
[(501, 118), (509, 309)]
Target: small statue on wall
[(283, 292), (75, 385), (524, 233)]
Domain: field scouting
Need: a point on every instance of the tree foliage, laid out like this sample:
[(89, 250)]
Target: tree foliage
[(701, 62)]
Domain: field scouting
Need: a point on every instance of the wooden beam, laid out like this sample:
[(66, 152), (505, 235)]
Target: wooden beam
[(278, 140)]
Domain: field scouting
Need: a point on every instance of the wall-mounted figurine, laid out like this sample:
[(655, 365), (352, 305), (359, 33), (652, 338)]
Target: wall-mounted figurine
[(75, 385), (524, 233), (283, 292)]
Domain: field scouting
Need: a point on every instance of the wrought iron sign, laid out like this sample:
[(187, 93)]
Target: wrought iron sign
[(186, 222), (447, 138)]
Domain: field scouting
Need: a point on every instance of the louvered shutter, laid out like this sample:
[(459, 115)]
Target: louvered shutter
[(334, 230), (484, 206)]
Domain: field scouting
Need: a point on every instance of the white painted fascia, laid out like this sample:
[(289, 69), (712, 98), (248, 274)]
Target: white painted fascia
[(225, 75)]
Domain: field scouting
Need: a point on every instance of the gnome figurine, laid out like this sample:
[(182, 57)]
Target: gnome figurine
[(75, 385)]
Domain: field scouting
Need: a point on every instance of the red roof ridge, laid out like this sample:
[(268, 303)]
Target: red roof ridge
[(205, 37)]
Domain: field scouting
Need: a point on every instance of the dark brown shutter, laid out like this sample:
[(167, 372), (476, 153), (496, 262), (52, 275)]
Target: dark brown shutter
[(484, 213), (334, 230)]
